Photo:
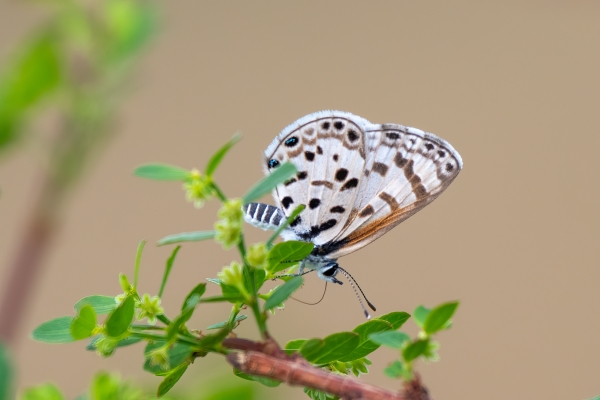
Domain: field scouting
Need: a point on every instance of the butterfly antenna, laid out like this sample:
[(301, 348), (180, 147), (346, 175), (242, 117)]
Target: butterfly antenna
[(312, 304), (355, 285)]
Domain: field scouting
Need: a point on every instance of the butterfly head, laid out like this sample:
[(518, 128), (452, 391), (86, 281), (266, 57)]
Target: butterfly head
[(329, 271)]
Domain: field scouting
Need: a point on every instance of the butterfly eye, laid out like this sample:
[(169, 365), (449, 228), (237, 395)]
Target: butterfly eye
[(273, 163), (330, 269)]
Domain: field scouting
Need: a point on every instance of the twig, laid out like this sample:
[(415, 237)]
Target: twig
[(268, 360)]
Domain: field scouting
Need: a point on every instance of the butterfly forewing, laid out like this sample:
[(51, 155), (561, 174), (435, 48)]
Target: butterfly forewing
[(329, 153), (358, 180)]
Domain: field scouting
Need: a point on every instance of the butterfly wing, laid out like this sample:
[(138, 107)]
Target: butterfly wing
[(407, 169), (357, 179), (328, 149)]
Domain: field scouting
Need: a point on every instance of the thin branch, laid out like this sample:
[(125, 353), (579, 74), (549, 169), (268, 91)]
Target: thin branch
[(268, 360), (299, 373)]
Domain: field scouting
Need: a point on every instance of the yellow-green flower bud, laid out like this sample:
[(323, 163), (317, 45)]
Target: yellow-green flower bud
[(149, 307), (232, 211), (160, 357), (197, 188), (234, 276), (125, 285), (257, 255), (106, 346), (227, 233)]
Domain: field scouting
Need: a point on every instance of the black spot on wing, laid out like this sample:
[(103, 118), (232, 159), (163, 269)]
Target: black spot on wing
[(325, 125), (442, 153), (352, 183), (289, 182), (301, 175), (338, 125), (286, 201), (392, 135), (291, 142), (296, 221), (449, 167), (319, 150), (400, 161), (341, 174), (309, 155), (314, 203), (352, 136), (335, 157), (429, 146), (338, 209)]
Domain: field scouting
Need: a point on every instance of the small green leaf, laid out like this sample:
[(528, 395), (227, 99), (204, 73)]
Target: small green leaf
[(284, 255), (186, 237), (119, 320), (223, 324), (265, 381), (105, 386), (394, 370), (294, 345), (366, 346), (215, 160), (161, 172), (315, 394), (396, 319), (178, 354), (420, 315), (171, 379), (168, 267), (84, 323), (46, 391), (128, 341), (414, 350), (210, 341), (393, 339), (270, 182), (138, 261), (196, 292), (439, 318), (56, 330), (331, 348), (232, 298), (6, 374), (282, 293), (100, 304)]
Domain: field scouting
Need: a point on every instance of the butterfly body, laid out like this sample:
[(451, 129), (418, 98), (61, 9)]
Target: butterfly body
[(356, 179)]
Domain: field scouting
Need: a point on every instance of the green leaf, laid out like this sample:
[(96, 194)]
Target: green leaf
[(394, 370), (287, 223), (56, 330), (396, 319), (168, 267), (270, 182), (294, 345), (331, 348), (6, 374), (223, 324), (284, 255), (366, 346), (420, 315), (100, 304), (232, 298), (105, 386), (187, 237), (138, 260), (119, 320), (265, 381), (393, 339), (128, 341), (46, 391), (215, 160), (130, 26), (196, 292), (282, 293), (439, 318), (171, 379), (84, 323), (315, 394), (414, 350), (161, 172), (178, 353)]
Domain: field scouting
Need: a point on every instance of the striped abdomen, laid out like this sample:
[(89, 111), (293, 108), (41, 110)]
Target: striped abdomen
[(264, 216)]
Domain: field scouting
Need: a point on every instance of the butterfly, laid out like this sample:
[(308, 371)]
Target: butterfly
[(357, 181)]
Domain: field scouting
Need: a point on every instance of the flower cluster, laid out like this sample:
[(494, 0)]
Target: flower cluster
[(198, 188), (257, 256), (234, 276), (229, 226), (148, 307)]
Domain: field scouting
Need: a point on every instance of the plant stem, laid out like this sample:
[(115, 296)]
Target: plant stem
[(249, 274)]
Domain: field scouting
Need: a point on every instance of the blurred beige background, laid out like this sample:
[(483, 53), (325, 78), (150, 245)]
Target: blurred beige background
[(513, 85)]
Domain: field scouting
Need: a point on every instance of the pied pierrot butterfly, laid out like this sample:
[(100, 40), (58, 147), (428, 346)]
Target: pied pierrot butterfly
[(357, 181)]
